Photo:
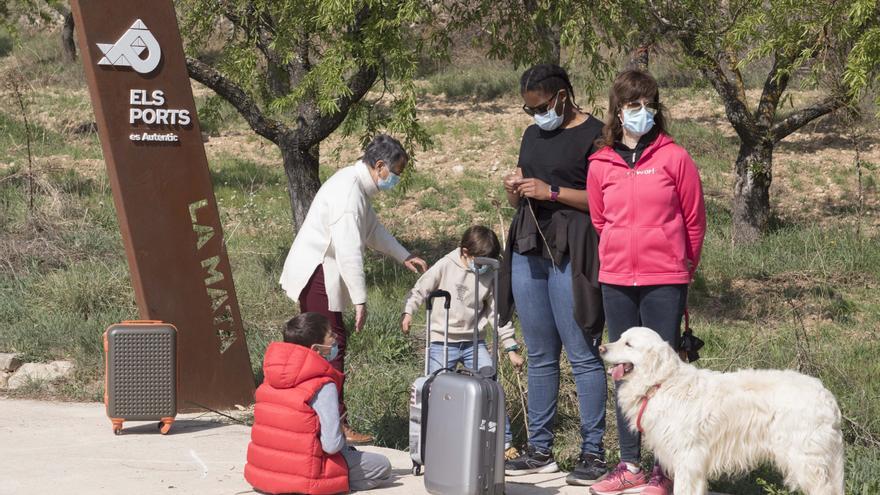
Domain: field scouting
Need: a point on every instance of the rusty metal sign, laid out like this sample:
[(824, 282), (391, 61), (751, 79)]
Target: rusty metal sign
[(150, 135)]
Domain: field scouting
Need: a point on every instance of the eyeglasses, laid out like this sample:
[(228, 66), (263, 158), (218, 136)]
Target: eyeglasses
[(638, 104), (531, 111)]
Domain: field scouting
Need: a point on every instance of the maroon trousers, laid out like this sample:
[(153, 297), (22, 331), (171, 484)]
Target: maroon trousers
[(314, 299)]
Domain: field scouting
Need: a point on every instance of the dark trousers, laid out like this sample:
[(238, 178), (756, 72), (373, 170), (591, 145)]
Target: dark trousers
[(658, 307), (314, 299)]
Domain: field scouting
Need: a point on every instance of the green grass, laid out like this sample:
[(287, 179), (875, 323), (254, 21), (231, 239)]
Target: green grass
[(481, 83)]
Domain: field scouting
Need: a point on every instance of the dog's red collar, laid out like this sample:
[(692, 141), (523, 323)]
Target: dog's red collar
[(648, 395)]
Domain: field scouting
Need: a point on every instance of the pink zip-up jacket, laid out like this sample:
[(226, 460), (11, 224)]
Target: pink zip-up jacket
[(651, 218)]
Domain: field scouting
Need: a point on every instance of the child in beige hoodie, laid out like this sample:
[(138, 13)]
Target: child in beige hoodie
[(454, 273)]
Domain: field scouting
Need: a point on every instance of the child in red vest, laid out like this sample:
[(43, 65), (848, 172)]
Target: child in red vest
[(297, 444)]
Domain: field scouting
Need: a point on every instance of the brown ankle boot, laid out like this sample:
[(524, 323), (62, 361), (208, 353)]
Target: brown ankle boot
[(355, 438)]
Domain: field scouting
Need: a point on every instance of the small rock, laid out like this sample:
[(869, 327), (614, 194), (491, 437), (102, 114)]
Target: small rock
[(458, 169), (4, 378), (9, 362), (39, 372)]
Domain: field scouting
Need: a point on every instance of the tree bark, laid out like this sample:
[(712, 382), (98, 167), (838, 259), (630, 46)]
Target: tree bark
[(554, 46), (751, 194), (303, 182), (640, 58), (67, 38)]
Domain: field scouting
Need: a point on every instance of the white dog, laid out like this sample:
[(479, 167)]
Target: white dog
[(702, 424)]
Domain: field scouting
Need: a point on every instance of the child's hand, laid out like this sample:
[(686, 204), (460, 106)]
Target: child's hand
[(516, 359), (406, 322)]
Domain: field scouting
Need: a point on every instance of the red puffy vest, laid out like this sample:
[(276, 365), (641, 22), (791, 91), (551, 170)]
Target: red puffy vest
[(285, 454)]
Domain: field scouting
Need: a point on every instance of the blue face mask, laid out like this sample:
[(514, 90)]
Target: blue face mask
[(473, 267), (388, 182), (548, 120), (638, 122), (334, 351)]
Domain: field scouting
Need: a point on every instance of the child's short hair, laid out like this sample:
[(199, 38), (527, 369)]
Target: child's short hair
[(306, 329), (480, 241)]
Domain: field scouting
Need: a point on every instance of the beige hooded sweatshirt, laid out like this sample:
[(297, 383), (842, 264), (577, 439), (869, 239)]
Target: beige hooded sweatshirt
[(451, 275)]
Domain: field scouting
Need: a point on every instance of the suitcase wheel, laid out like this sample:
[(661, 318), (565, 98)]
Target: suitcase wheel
[(117, 427), (164, 427), (416, 469)]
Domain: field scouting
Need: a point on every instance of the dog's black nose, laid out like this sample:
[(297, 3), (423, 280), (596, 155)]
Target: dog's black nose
[(602, 349)]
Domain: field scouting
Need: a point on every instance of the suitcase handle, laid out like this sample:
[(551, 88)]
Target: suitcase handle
[(447, 299), (495, 265), (447, 303), (141, 322)]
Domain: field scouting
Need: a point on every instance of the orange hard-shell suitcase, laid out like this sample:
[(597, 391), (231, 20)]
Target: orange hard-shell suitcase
[(140, 384)]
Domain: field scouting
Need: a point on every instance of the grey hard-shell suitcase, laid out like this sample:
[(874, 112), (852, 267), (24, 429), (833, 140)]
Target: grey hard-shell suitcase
[(464, 451), (421, 386), (140, 360)]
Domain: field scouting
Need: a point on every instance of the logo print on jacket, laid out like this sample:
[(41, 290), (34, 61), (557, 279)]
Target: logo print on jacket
[(127, 50)]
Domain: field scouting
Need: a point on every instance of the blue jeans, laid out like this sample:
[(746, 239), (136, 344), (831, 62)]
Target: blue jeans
[(658, 307), (545, 306), (463, 352)]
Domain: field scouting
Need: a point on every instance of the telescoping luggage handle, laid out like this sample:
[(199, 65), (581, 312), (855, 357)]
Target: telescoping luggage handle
[(429, 304), (494, 265)]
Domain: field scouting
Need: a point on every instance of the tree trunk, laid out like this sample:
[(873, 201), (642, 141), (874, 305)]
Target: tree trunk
[(551, 35), (640, 57), (751, 194), (67, 39), (301, 167)]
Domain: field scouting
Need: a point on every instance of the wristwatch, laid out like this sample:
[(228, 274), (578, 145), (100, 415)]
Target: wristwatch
[(554, 193)]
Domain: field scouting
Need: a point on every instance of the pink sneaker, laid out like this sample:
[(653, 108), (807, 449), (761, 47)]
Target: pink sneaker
[(659, 484), (620, 481)]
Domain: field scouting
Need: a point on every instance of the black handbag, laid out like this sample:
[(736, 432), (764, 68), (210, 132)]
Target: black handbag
[(689, 344)]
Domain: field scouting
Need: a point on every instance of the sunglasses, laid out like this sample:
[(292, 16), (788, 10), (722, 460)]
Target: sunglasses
[(532, 111), (638, 104)]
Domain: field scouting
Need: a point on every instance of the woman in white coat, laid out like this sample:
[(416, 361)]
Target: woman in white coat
[(324, 269)]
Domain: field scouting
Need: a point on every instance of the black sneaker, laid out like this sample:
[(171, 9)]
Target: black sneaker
[(589, 469), (531, 461)]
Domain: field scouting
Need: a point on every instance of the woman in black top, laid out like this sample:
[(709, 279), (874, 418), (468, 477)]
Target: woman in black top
[(553, 268)]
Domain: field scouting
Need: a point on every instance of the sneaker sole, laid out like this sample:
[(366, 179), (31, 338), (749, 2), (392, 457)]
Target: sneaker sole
[(579, 482), (626, 491), (549, 468)]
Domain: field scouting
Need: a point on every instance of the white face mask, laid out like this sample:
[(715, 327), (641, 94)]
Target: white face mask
[(638, 122), (549, 120)]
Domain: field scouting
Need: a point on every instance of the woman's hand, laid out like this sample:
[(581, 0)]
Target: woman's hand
[(416, 264), (360, 316), (405, 323), (511, 180), (533, 188)]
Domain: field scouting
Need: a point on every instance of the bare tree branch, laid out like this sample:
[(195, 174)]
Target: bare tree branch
[(359, 84), (259, 27), (774, 86), (734, 98), (737, 111), (733, 63), (270, 129), (804, 116)]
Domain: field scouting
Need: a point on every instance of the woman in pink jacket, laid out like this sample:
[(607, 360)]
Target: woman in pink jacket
[(646, 202)]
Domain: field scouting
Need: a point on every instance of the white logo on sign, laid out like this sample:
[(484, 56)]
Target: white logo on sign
[(127, 50)]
